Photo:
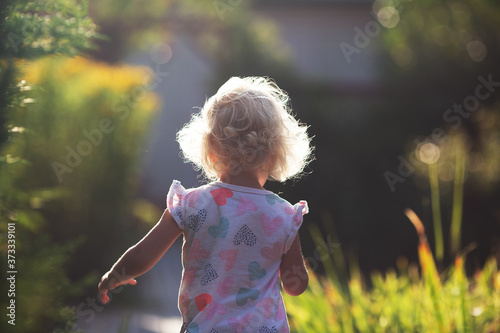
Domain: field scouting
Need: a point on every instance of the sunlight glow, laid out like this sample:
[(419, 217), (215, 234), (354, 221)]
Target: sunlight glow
[(428, 152)]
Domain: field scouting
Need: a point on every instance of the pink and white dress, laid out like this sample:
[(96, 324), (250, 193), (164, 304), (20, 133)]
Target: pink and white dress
[(234, 238)]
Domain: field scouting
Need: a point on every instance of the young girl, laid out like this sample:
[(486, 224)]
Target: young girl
[(238, 237)]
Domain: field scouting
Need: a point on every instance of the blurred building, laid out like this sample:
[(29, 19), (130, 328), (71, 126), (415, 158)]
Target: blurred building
[(329, 41), (324, 39)]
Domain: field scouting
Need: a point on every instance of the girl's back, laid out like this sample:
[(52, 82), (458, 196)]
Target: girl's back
[(234, 238)]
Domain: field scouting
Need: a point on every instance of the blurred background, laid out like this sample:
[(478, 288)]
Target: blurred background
[(401, 97)]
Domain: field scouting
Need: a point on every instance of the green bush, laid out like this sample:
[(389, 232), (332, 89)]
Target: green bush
[(67, 177), (63, 209)]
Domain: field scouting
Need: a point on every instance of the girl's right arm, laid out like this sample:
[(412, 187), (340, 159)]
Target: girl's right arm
[(141, 257), (293, 272)]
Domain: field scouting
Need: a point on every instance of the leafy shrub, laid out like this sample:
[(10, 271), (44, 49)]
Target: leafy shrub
[(67, 177)]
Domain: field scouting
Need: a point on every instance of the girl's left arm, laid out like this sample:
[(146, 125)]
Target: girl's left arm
[(141, 257), (293, 272)]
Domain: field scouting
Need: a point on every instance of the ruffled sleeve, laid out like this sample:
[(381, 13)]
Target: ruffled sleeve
[(175, 199), (299, 209)]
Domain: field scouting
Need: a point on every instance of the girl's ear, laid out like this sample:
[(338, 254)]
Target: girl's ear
[(211, 156)]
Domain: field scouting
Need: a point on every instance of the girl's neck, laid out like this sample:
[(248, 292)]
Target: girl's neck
[(247, 179)]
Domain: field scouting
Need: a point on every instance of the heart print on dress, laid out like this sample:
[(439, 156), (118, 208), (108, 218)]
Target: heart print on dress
[(194, 222), (245, 294), (239, 324), (245, 204), (196, 252), (220, 195), (202, 300), (273, 198), (219, 230), (270, 226), (245, 235), (255, 272), (224, 287), (230, 257), (213, 309), (210, 275)]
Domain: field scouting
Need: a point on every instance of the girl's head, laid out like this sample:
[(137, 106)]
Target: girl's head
[(246, 126)]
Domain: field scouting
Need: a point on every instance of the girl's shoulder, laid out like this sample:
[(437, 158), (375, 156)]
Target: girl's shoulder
[(228, 195), (177, 189)]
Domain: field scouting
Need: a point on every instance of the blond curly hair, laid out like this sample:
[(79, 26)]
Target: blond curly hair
[(246, 126)]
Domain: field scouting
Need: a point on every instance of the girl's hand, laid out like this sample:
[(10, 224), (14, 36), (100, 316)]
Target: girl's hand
[(141, 257), (108, 282)]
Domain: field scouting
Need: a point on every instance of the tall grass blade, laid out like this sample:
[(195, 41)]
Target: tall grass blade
[(336, 252), (461, 285), (436, 211), (458, 194), (323, 253), (429, 270)]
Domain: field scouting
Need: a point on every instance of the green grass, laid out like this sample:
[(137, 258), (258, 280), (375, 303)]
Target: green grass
[(415, 298)]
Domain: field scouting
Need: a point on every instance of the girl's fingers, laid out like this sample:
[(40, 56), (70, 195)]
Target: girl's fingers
[(103, 289), (105, 285), (132, 282), (104, 297)]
